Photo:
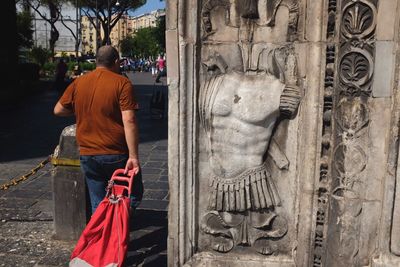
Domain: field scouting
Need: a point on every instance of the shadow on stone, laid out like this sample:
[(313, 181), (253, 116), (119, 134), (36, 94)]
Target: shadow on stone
[(148, 245)]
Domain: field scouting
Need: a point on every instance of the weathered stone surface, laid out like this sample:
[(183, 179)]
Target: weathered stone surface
[(173, 47), (387, 15), (384, 65), (212, 259), (69, 189), (67, 147), (249, 83), (328, 170), (70, 215)]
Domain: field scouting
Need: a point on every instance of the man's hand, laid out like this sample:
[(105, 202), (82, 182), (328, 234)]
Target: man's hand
[(132, 164)]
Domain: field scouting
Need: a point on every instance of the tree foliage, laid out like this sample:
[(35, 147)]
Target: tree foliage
[(160, 32), (143, 44), (24, 29), (108, 13), (40, 55), (146, 42), (127, 46)]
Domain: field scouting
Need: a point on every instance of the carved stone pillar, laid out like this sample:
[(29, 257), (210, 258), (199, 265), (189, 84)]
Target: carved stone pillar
[(352, 119), (283, 133), (245, 86), (386, 87), (357, 216)]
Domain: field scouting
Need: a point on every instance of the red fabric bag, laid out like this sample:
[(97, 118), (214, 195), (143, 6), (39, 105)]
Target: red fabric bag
[(104, 241)]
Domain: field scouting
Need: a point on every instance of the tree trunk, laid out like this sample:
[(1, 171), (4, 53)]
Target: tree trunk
[(106, 33), (54, 34)]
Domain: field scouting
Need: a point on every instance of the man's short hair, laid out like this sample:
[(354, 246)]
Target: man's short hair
[(106, 56)]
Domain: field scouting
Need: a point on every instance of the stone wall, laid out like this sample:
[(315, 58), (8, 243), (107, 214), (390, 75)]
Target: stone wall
[(283, 140)]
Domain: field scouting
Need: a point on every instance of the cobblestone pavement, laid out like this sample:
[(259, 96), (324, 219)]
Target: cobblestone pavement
[(28, 134)]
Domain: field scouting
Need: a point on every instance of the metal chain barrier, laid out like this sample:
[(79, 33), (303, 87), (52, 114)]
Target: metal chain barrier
[(16, 181)]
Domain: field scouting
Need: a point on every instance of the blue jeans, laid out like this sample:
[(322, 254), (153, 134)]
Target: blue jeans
[(98, 171)]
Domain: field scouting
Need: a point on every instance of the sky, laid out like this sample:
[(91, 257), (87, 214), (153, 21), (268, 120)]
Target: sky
[(149, 6)]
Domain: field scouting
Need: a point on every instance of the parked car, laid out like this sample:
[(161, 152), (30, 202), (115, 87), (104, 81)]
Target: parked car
[(87, 58)]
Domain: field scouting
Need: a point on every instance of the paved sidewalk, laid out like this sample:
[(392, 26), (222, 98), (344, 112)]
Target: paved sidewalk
[(29, 133)]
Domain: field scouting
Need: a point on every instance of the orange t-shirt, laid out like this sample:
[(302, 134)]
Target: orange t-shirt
[(97, 99)]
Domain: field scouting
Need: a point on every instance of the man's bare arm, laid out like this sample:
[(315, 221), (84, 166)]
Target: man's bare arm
[(60, 110), (132, 139)]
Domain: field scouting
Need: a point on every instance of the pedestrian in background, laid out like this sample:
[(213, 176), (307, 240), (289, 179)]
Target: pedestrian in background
[(162, 71), (104, 105), (153, 68), (76, 72), (61, 71)]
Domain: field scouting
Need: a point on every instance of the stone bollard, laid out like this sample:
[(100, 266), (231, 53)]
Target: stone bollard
[(69, 189)]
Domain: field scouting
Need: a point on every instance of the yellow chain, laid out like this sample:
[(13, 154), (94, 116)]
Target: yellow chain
[(16, 181)]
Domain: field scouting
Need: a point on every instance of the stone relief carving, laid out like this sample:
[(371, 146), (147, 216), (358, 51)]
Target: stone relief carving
[(359, 19), (261, 12), (330, 31), (325, 177), (239, 111), (355, 73), (326, 151)]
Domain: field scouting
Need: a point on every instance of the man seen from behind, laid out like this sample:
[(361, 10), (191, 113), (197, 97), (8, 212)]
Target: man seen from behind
[(104, 105)]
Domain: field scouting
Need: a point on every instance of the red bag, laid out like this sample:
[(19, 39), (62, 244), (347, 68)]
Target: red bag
[(104, 241)]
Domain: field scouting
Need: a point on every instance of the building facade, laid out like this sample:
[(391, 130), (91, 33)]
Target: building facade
[(120, 31), (146, 20), (65, 44), (89, 36), (126, 26)]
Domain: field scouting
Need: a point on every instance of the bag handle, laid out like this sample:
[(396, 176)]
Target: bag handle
[(119, 175)]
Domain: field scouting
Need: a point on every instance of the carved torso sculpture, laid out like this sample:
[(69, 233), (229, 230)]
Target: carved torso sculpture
[(240, 112)]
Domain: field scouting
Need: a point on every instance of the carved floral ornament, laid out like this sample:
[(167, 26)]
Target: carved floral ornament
[(356, 71), (352, 116), (346, 156), (359, 19), (249, 229)]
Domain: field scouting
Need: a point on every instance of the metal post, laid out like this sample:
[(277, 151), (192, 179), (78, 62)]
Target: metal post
[(97, 28), (35, 31), (108, 22), (77, 31), (80, 30), (45, 25)]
